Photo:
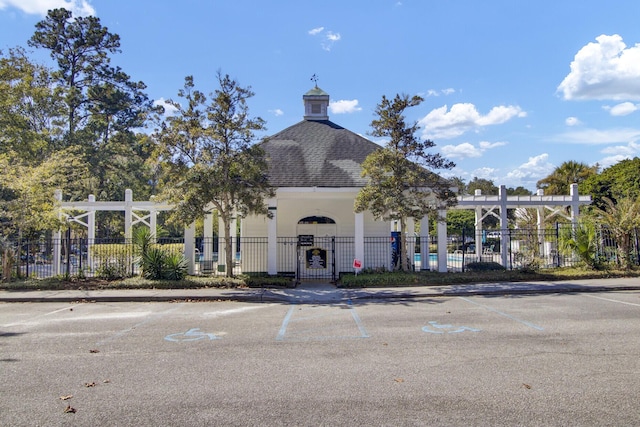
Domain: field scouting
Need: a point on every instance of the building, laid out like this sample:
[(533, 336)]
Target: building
[(315, 166)]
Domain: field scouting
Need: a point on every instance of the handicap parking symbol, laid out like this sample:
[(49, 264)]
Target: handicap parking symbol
[(436, 328), (194, 334)]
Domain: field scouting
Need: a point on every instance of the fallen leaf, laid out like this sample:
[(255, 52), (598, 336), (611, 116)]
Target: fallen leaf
[(69, 410), (90, 384), (399, 380), (66, 397), (527, 386), (94, 351)]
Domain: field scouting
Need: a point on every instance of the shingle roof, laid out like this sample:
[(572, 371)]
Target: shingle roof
[(317, 153)]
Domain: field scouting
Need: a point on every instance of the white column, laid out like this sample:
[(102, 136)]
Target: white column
[(424, 244), (207, 245), (575, 203), (358, 237), (478, 227), (411, 242), (504, 243), (128, 199), (540, 225), (222, 258), (190, 247), (91, 231), (272, 238), (442, 241), (57, 239)]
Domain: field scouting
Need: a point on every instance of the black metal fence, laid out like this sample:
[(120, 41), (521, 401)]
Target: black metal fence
[(322, 258)]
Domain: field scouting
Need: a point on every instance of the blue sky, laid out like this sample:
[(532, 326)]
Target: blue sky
[(512, 88)]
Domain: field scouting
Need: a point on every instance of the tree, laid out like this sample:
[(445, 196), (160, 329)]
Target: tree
[(210, 158), (570, 172), (487, 186), (621, 218), (618, 181), (30, 110), (27, 204), (401, 179), (103, 107)]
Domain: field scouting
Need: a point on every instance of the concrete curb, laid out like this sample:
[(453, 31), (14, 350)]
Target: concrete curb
[(326, 294)]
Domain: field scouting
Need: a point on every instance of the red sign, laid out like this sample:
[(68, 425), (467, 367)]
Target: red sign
[(357, 263)]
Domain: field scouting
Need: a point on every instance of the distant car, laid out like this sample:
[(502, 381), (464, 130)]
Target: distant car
[(493, 235)]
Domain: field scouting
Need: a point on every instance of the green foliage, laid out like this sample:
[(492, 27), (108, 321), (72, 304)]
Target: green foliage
[(484, 266), (210, 163), (175, 266), (401, 181), (618, 181), (570, 172), (580, 241), (621, 218), (112, 260), (98, 107)]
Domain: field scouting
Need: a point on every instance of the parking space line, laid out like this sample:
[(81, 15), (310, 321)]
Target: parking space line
[(137, 325), (612, 300), (356, 318), (302, 319), (508, 316)]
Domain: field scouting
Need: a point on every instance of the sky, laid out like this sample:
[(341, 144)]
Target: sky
[(512, 89)]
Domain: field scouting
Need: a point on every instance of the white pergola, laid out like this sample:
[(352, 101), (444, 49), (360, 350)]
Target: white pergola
[(146, 212), (546, 207)]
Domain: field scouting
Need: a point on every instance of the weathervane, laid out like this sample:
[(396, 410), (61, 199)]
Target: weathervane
[(314, 78)]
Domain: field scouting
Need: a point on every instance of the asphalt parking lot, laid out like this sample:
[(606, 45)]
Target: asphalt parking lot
[(554, 359)]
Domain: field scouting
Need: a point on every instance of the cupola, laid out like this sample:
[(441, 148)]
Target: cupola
[(316, 104)]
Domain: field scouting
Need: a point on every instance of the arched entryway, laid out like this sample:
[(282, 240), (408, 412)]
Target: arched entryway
[(316, 247)]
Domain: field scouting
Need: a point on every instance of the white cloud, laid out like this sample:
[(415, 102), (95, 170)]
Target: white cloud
[(631, 149), (622, 109), (329, 38), (435, 92), (486, 173), (277, 112), (611, 160), (532, 171), (334, 37), (597, 136), (315, 31), (572, 121), (344, 106), (41, 7), (466, 150), (169, 110), (442, 123), (461, 150), (604, 70)]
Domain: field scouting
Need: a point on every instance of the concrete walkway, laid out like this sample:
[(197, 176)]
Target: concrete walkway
[(321, 293)]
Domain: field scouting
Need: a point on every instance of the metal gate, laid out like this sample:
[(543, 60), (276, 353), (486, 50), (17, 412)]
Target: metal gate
[(316, 257)]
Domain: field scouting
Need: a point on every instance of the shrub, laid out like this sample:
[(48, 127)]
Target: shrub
[(484, 266)]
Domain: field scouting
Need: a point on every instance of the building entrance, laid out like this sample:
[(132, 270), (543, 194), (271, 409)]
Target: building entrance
[(316, 248)]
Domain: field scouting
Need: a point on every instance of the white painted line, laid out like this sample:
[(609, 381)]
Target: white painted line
[(508, 316), (233, 311), (612, 300), (137, 325), (34, 322)]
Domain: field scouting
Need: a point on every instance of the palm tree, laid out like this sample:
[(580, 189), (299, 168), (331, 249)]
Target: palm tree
[(621, 218), (571, 172)]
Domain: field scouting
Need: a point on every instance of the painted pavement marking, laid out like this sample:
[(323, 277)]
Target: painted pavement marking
[(436, 328), (613, 300), (137, 325), (304, 326), (508, 316), (193, 334)]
